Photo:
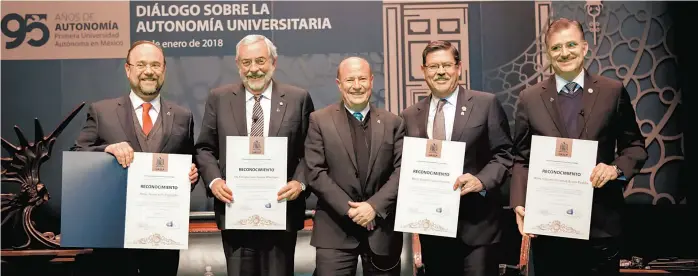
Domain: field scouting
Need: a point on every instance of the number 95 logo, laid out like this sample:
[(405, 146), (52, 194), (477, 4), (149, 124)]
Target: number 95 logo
[(22, 27)]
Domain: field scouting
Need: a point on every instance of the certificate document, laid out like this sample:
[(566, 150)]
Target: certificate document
[(157, 201), (426, 201), (559, 194), (255, 172)]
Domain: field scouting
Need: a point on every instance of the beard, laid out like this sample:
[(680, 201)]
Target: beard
[(147, 90), (257, 81), (150, 91)]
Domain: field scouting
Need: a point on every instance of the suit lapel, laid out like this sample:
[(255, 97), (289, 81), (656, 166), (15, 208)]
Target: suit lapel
[(463, 109), (589, 94), (167, 120), (549, 97), (377, 132), (237, 103), (342, 126), (277, 110), (125, 114), (423, 117)]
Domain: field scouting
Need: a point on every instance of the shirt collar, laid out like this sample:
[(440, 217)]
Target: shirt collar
[(451, 99), (137, 101), (363, 112), (265, 94), (560, 82)]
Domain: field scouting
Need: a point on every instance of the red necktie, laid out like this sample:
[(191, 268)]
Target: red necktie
[(147, 123)]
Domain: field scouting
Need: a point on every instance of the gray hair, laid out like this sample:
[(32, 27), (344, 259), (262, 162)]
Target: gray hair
[(253, 38)]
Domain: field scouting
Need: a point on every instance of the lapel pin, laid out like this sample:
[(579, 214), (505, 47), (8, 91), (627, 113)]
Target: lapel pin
[(168, 113), (378, 121), (591, 90), (281, 103), (463, 108), (551, 100), (462, 113)]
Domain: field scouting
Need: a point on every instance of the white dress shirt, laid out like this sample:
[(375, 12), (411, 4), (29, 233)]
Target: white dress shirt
[(560, 82), (138, 107), (449, 113)]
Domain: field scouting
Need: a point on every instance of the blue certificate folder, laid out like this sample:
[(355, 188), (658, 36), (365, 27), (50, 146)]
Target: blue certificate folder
[(93, 205)]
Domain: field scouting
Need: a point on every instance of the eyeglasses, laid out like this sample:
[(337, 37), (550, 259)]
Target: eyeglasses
[(569, 45), (141, 66), (248, 62), (435, 67)]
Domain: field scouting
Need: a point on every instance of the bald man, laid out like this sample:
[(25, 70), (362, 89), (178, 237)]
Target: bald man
[(353, 152)]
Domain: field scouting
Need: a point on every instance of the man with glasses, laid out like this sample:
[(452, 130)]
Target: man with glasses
[(578, 105), (141, 121), (454, 113), (258, 106)]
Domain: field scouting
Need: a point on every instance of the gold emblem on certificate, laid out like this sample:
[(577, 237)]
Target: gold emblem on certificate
[(257, 145)]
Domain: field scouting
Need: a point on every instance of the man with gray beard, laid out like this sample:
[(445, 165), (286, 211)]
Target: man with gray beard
[(258, 106), (141, 121)]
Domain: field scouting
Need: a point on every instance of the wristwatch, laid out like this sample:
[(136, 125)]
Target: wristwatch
[(302, 186), (618, 171)]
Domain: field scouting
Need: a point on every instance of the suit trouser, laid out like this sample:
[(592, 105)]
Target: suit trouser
[(450, 256), (259, 252), (343, 262), (128, 262), (554, 256)]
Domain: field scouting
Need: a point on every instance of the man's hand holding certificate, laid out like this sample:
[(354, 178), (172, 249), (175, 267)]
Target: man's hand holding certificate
[(256, 184), (427, 201), (560, 191)]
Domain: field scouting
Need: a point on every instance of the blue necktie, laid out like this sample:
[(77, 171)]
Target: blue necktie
[(359, 116)]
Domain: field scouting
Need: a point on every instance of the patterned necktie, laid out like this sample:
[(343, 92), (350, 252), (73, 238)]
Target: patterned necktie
[(257, 118), (439, 128), (359, 116), (571, 88), (147, 122)]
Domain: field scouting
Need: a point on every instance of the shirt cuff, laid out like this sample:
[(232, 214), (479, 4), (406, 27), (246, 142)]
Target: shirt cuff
[(211, 184)]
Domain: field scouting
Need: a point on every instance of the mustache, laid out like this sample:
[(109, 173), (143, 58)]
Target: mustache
[(567, 58), (255, 75), (441, 78)]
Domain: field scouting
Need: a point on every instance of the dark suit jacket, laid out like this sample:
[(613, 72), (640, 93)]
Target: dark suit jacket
[(484, 128), (333, 177), (609, 119), (111, 121), (225, 116)]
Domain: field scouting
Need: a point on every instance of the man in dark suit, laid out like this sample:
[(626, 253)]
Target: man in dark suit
[(353, 153), (141, 121), (453, 113), (259, 106), (576, 104)]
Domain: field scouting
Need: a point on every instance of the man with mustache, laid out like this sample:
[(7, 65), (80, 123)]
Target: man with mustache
[(258, 106), (141, 121), (353, 153), (454, 113), (576, 104)]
